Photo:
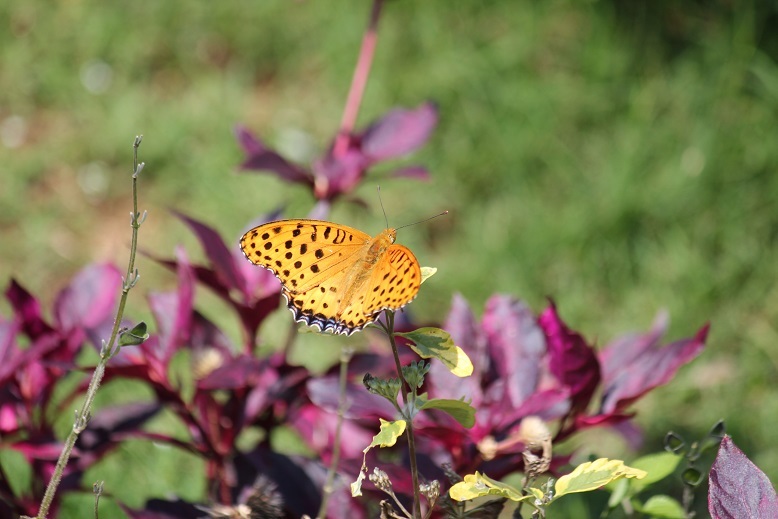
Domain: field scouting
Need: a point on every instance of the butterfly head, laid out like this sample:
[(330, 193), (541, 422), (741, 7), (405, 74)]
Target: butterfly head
[(389, 235)]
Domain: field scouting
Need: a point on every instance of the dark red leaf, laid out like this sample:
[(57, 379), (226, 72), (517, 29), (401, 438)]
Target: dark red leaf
[(221, 259), (572, 361), (27, 310), (738, 489)]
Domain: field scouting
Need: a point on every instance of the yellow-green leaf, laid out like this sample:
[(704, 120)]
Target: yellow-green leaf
[(426, 273), (388, 434), (386, 437), (356, 486), (593, 475), (433, 342), (478, 485)]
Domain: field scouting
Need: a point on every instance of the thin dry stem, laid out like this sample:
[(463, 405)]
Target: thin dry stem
[(84, 414), (345, 357)]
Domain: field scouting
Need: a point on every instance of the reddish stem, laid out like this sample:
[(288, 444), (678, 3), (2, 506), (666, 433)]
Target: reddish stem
[(358, 81)]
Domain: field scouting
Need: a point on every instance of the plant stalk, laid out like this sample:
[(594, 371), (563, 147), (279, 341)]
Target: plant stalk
[(406, 389), (358, 81)]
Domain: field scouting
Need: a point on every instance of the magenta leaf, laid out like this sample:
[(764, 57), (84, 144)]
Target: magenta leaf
[(738, 489), (516, 345), (260, 157), (90, 298), (399, 132), (571, 360), (650, 367)]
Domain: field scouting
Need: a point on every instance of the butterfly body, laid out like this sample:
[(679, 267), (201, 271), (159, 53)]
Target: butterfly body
[(335, 277)]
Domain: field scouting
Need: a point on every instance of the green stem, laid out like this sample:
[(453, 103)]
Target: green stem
[(389, 329), (345, 357), (106, 352)]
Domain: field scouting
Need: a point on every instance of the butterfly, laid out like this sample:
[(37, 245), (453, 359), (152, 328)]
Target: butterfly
[(335, 277)]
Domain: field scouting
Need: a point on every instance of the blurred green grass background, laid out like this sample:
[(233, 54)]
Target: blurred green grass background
[(620, 157)]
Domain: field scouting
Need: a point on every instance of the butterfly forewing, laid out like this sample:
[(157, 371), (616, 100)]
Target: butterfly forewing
[(302, 253)]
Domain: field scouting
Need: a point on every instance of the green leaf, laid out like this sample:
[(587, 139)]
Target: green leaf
[(459, 410), (134, 337), (662, 507), (658, 466), (436, 343), (692, 476), (593, 475), (478, 485), (426, 273), (619, 490)]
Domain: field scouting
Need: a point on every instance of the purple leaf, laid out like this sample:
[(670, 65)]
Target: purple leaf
[(461, 324), (222, 261), (317, 428), (109, 422), (237, 373), (417, 172), (738, 489), (89, 299), (516, 345), (336, 175), (399, 132), (571, 360), (324, 392), (27, 310), (624, 350), (173, 311), (651, 367), (260, 157)]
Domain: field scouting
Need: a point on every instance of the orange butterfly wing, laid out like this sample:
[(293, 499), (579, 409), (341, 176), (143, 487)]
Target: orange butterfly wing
[(334, 277)]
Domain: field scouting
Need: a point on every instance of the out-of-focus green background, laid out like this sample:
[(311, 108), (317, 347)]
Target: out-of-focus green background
[(620, 157)]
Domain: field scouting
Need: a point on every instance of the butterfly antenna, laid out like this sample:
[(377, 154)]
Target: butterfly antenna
[(382, 207), (422, 221)]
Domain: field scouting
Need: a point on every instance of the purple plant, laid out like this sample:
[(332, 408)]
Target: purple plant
[(349, 157), (35, 354), (524, 365), (738, 488)]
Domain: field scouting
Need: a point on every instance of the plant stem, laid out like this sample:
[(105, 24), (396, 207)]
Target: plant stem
[(389, 329), (107, 351), (358, 81), (345, 357)]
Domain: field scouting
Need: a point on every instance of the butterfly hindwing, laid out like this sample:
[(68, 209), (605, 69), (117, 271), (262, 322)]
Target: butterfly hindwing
[(395, 281)]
